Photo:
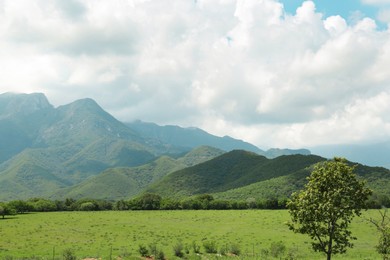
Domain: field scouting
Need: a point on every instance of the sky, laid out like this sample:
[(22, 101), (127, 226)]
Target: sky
[(274, 73)]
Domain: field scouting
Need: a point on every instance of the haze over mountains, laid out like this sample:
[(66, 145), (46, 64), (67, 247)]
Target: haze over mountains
[(79, 150)]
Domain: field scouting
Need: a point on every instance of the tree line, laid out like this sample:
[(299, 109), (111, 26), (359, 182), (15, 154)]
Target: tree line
[(150, 201), (147, 201)]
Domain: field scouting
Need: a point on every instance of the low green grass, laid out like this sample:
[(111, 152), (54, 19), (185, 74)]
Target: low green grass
[(118, 234)]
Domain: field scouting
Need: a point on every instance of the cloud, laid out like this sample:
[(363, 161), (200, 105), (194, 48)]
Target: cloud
[(376, 2), (240, 67)]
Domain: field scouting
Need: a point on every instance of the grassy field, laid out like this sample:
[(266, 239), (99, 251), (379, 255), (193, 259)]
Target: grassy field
[(117, 234)]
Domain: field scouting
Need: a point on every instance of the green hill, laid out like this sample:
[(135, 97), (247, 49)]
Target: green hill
[(229, 171), (241, 175), (125, 182), (377, 178)]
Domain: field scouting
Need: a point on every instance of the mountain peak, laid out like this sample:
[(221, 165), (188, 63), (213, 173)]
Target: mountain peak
[(85, 104), (23, 104)]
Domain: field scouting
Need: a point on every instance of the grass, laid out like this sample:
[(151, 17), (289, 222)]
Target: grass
[(111, 234)]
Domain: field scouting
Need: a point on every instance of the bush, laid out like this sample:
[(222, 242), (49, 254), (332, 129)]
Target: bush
[(160, 255), (153, 249), (277, 249), (195, 247), (143, 251), (210, 247), (68, 254), (87, 206), (223, 250), (178, 249), (235, 249)]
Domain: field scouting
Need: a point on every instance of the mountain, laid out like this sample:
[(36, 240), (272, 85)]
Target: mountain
[(371, 154), (242, 175), (79, 150), (231, 170), (125, 182), (276, 152), (44, 149), (189, 138), (192, 137), (22, 116)]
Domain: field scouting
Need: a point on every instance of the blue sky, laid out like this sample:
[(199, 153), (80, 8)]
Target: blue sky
[(231, 67), (348, 9)]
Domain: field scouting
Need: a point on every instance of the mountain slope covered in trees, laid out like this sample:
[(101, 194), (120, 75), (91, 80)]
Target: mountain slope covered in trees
[(126, 182)]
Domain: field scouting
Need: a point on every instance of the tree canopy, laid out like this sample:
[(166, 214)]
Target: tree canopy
[(327, 204)]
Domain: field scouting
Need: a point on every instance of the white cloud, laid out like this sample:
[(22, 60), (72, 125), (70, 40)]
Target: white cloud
[(384, 15), (376, 2), (239, 67)]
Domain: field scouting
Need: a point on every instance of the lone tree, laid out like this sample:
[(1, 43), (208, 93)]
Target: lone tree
[(325, 207)]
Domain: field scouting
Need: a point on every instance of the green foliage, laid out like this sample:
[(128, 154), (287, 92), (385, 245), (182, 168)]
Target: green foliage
[(143, 250), (21, 206), (6, 210), (229, 171), (277, 249), (42, 205), (383, 227), (69, 254), (147, 201), (195, 247), (160, 255), (125, 182), (178, 249), (325, 207), (235, 249), (210, 246)]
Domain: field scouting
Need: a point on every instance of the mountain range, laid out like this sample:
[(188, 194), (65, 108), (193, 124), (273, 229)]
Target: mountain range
[(79, 150)]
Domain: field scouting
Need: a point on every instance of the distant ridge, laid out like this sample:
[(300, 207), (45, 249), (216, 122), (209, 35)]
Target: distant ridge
[(377, 154), (189, 138)]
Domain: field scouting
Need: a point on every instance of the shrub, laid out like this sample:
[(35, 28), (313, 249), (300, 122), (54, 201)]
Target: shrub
[(160, 255), (264, 253), (277, 249), (223, 250), (195, 247), (210, 247), (153, 249), (235, 249), (68, 254), (143, 250), (178, 249)]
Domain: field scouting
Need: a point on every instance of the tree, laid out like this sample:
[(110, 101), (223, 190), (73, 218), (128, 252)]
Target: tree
[(383, 227), (147, 201), (2, 211), (20, 206), (326, 206), (6, 210), (42, 205)]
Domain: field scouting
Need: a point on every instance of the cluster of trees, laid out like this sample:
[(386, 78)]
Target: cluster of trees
[(148, 201), (151, 201), (45, 205)]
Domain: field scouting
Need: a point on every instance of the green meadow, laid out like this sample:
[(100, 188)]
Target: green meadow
[(118, 234)]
